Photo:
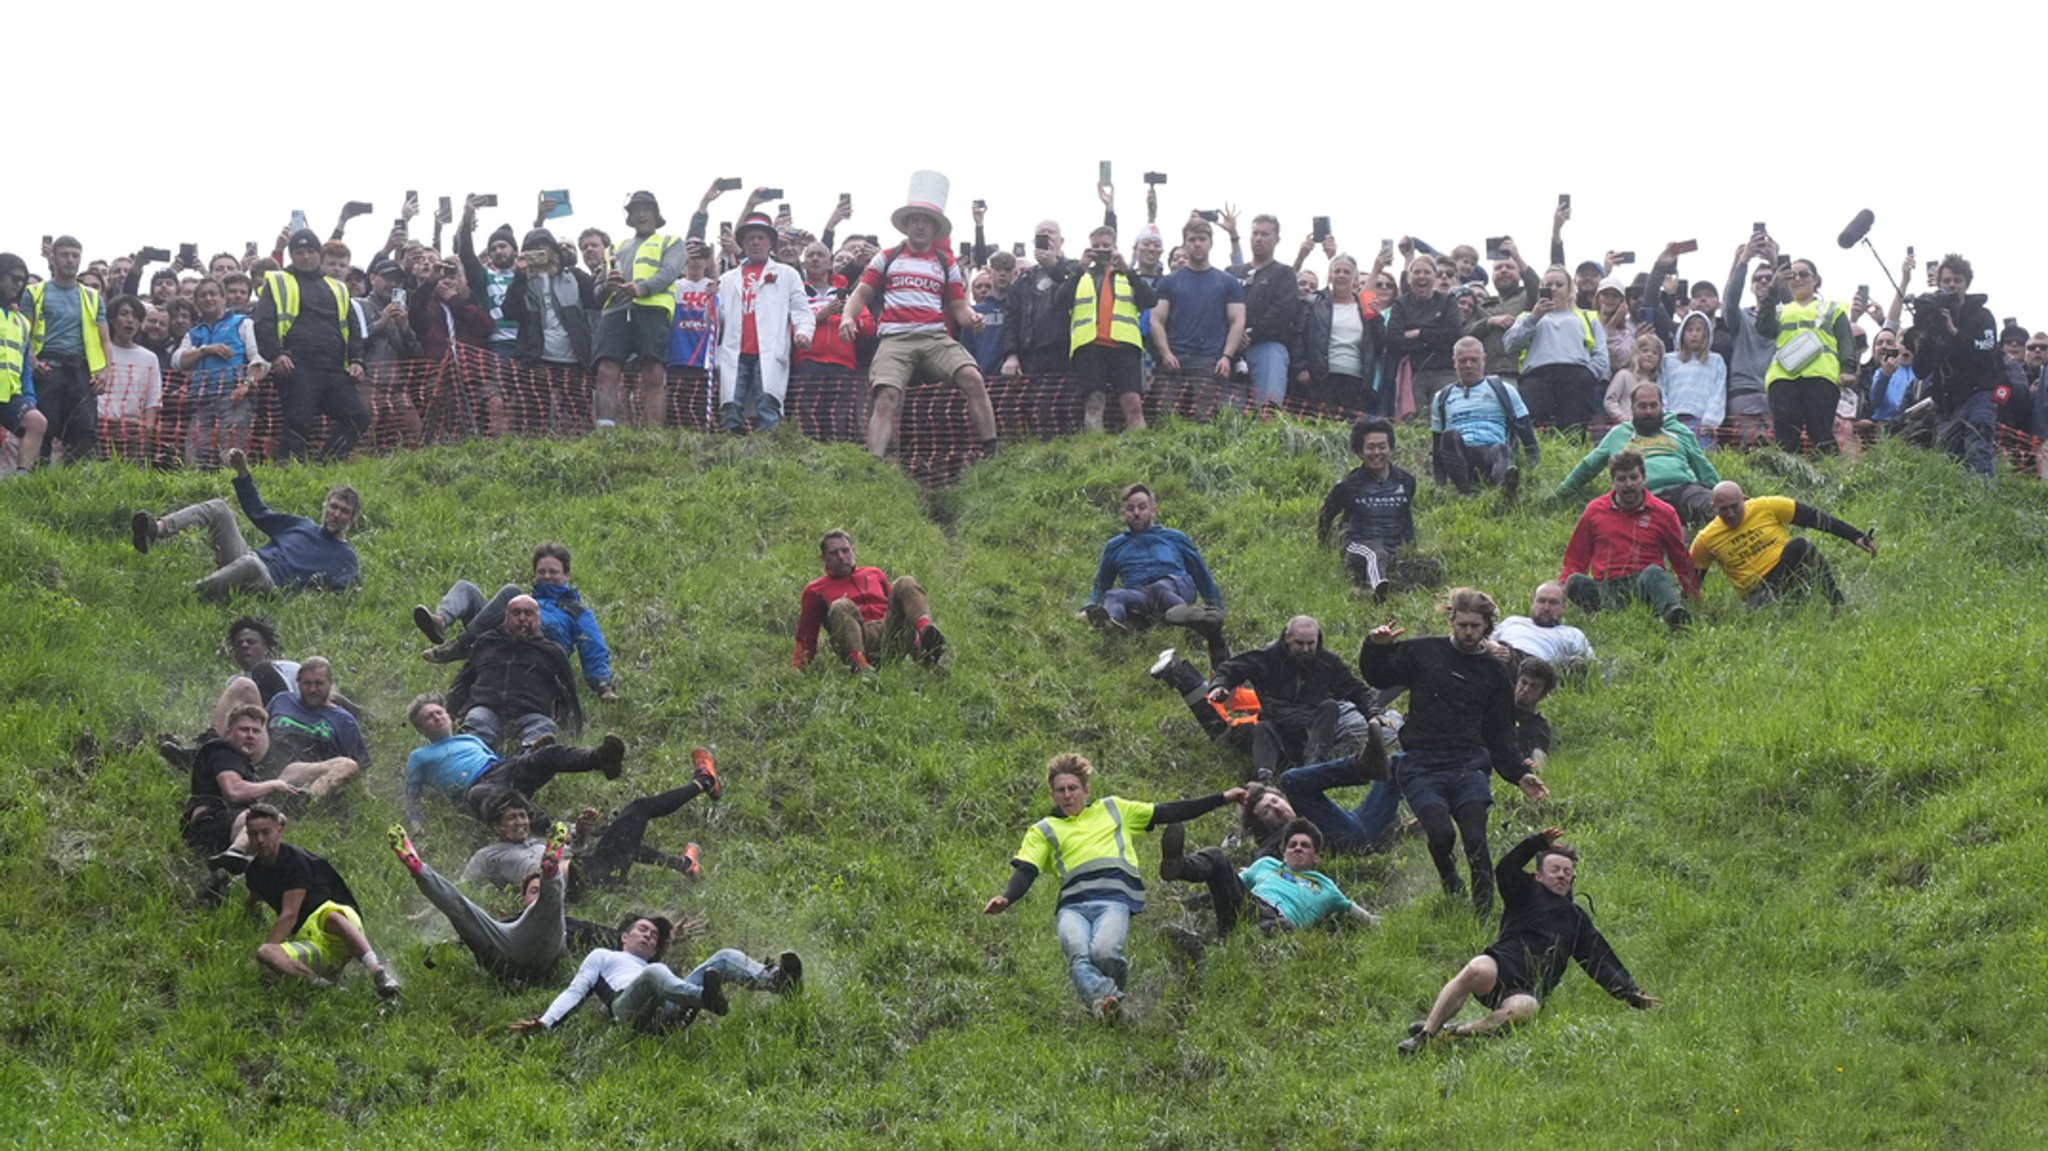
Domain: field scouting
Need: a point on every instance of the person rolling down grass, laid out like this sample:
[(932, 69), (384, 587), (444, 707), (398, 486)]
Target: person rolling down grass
[(611, 849), (318, 929), (637, 988), (1165, 579), (1541, 928), (1747, 537), (467, 770), (527, 947), (1093, 848), (1284, 894)]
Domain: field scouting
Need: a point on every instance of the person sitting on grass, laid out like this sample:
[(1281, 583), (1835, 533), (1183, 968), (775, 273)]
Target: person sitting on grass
[(318, 928), (1541, 929), (1285, 894), (1229, 721), (1676, 470), (301, 553), (1162, 575), (314, 742), (1764, 561), (563, 619), (637, 988), (467, 770), (1534, 681), (866, 619), (225, 783), (1376, 501), (515, 675), (611, 849), (1310, 702), (1093, 849), (529, 946), (1622, 540), (1543, 633)]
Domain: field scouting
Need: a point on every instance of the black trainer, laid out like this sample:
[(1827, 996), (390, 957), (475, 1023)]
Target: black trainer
[(787, 976), (714, 993), (430, 623), (609, 759), (233, 861), (928, 645), (141, 531), (1172, 850)]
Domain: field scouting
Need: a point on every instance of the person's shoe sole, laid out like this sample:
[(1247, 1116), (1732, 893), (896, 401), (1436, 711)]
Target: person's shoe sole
[(930, 644), (142, 531), (1380, 590), (611, 756), (401, 846), (1164, 661), (790, 968), (386, 983), (714, 993), (1679, 619), (551, 855), (1173, 844), (441, 653), (429, 624), (231, 861), (1099, 619), (706, 773)]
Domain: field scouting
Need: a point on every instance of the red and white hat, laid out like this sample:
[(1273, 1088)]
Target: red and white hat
[(755, 220), (928, 192)]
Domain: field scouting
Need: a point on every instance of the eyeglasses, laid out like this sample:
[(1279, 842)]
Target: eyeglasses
[(1800, 274), (2037, 347)]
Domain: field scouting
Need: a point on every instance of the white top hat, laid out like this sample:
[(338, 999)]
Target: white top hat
[(927, 195)]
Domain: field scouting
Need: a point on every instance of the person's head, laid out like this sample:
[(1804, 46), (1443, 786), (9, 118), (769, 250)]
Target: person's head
[(512, 817), (1102, 242), (1885, 347), (304, 251), (1625, 471), (1465, 259), (1557, 286), (334, 259), (1150, 246), (522, 616), (1468, 358), (835, 551), (339, 510), (595, 246), (222, 264), (817, 262), (65, 254), (2036, 353), (1372, 441), (1804, 279), (529, 888), (1586, 278), (251, 641), (1467, 301), (1649, 355), (646, 936), (643, 213), (1534, 680), (1954, 275), (264, 826), (1265, 810), (316, 682), (178, 316), (1384, 288), (1695, 336), (921, 229), (551, 563), (13, 277), (1195, 238), (1472, 613), (419, 264), (1546, 607), (1303, 638), (981, 286), (1265, 237), (1422, 273), (2014, 342), (428, 715), (248, 730), (95, 280), (1646, 409), (1002, 271), (1048, 243), (502, 248), (1343, 278), (1066, 776), (1610, 300), (1706, 299), (235, 288), (757, 238), (1557, 866), (1301, 846), (1729, 503), (163, 284), (1137, 507), (124, 318), (1507, 276)]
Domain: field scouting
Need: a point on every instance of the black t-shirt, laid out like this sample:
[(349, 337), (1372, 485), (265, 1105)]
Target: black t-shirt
[(214, 757), (296, 869), (1532, 732)]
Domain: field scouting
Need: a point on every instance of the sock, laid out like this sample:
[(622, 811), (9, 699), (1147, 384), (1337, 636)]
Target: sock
[(371, 961), (923, 622), (860, 661)]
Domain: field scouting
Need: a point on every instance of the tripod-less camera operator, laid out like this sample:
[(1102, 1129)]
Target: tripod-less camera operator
[(1955, 342)]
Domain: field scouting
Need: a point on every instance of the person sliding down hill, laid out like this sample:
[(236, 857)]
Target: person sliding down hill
[(1162, 573), (866, 618)]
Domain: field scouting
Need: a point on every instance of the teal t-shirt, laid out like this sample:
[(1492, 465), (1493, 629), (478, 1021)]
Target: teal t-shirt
[(1305, 898)]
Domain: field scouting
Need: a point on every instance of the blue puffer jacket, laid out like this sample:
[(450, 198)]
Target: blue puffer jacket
[(564, 619)]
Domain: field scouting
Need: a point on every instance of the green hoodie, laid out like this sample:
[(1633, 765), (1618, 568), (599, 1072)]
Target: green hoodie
[(1671, 457)]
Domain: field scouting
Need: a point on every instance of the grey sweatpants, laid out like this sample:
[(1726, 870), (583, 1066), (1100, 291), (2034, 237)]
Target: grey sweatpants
[(529, 947), (236, 564)]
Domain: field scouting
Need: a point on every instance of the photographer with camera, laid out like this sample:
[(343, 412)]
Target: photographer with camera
[(1102, 300), (1955, 342), (1806, 374)]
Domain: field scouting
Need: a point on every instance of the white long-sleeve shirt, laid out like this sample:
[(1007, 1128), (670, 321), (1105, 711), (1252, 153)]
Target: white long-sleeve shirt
[(604, 973)]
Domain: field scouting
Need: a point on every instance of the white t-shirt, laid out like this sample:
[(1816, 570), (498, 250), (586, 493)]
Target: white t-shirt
[(1561, 646), (138, 383), (1347, 338)]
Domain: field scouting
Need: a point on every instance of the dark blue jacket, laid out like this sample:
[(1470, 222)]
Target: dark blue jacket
[(300, 552)]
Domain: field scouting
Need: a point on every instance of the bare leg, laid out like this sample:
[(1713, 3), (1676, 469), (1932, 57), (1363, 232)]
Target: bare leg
[(1476, 978), (1513, 1010), (320, 778), (610, 399), (653, 393), (980, 412), (882, 422), (274, 956), (1133, 405), (1091, 412), (240, 690), (33, 425)]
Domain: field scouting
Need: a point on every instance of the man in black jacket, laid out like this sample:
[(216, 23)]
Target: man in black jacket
[(1955, 345), (303, 332), (1376, 501), (1540, 929), (1303, 692), (1272, 311), (1035, 331), (1461, 719), (516, 674)]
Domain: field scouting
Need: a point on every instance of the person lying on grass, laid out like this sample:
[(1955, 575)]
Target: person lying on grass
[(637, 988), (1284, 894), (530, 945), (610, 849), (1541, 928)]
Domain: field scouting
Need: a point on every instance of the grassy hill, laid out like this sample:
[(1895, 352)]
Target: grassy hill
[(1817, 835)]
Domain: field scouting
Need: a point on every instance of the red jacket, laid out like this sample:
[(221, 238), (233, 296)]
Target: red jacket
[(1610, 543), (826, 346), (868, 588)]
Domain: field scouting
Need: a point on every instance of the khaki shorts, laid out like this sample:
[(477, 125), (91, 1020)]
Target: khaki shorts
[(901, 361), (319, 948)]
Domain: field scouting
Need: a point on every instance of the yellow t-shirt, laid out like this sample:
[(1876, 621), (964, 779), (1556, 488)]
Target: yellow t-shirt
[(1748, 552)]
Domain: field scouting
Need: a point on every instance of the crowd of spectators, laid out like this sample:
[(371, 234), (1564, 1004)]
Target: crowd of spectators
[(169, 356)]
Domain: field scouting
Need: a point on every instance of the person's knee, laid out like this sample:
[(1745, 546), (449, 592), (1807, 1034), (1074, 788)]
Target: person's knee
[(887, 400), (271, 955), (905, 586), (1480, 974)]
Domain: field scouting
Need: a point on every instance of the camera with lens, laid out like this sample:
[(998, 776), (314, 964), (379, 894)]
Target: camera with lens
[(1928, 303)]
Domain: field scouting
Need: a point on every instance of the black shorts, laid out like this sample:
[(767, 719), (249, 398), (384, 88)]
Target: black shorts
[(209, 830), (637, 332), (1512, 979), (1103, 368), (11, 413)]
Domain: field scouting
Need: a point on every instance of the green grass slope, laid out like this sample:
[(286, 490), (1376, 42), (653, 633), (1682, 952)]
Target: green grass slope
[(1817, 835)]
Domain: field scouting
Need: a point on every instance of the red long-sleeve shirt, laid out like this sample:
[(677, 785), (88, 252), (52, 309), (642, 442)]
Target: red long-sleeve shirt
[(1610, 543), (868, 588)]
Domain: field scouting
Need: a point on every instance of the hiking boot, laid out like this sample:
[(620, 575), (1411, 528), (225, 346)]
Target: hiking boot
[(693, 861), (714, 993), (1416, 1041), (1381, 590), (1678, 619), (386, 982), (176, 754), (1165, 661), (449, 652), (1099, 619), (431, 623), (142, 531), (234, 861), (1418, 1027), (1196, 617), (1172, 847), (928, 645), (401, 846), (609, 759), (551, 855), (786, 974), (1511, 482), (1371, 760), (706, 774)]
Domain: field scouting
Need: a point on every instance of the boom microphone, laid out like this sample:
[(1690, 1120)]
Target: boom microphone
[(1857, 228)]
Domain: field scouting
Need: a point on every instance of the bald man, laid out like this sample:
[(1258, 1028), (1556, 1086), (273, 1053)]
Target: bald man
[(1475, 423), (516, 675), (1543, 633), (1310, 702), (1764, 561)]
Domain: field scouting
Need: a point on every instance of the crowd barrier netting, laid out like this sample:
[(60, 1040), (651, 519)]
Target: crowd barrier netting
[(415, 403)]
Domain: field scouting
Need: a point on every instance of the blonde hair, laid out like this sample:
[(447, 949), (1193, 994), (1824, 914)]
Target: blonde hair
[(1068, 763)]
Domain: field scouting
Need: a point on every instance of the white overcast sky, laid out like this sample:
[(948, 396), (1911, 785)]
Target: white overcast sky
[(1450, 121)]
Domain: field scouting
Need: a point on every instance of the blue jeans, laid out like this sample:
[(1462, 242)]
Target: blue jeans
[(657, 995), (746, 389), (1268, 365), (1092, 938), (485, 724), (1358, 829), (1153, 598)]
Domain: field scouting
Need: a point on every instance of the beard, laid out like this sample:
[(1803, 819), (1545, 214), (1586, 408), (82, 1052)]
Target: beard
[(1649, 425)]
